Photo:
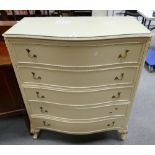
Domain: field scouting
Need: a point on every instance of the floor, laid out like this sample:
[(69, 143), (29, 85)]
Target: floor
[(141, 124)]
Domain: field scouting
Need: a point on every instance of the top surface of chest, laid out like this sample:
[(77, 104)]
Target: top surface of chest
[(75, 28)]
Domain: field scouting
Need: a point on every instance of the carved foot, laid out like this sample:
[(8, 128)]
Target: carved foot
[(35, 133), (123, 133), (123, 136)]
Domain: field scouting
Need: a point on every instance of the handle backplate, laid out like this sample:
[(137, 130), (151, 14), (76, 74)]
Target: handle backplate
[(43, 110), (111, 124), (120, 77), (46, 124), (124, 55), (117, 96), (35, 76), (29, 54), (39, 96)]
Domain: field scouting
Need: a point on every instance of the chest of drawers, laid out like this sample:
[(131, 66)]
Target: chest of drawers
[(78, 75)]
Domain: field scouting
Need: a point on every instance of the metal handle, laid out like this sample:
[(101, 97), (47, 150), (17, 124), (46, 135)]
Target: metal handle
[(112, 124), (35, 77), (125, 54), (29, 54), (43, 110), (119, 78), (39, 96), (117, 96), (46, 124), (110, 112)]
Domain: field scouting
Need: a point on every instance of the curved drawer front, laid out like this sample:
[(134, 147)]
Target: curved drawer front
[(72, 126), (78, 55), (77, 112), (78, 97), (78, 78)]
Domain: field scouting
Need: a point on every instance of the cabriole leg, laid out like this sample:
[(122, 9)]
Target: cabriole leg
[(35, 133), (123, 133)]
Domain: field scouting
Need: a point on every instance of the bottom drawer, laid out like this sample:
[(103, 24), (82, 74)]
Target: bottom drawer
[(77, 112), (77, 126)]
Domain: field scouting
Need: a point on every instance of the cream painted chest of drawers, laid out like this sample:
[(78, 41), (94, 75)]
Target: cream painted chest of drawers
[(78, 75)]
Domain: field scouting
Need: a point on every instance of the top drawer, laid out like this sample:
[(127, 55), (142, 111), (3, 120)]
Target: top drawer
[(76, 55)]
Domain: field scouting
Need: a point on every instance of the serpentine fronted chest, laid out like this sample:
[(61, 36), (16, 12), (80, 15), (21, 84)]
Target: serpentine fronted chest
[(78, 75)]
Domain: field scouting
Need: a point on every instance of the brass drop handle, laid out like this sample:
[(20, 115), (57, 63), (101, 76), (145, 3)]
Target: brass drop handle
[(39, 96), (43, 110), (29, 54), (125, 54), (111, 124), (35, 77), (119, 78), (110, 112), (117, 96), (46, 124)]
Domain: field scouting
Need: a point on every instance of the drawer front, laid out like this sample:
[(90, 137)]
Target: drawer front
[(77, 112), (70, 97), (78, 55), (78, 78), (79, 127)]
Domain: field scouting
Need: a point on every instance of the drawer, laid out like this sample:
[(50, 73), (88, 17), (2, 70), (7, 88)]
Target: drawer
[(77, 126), (81, 97), (77, 112), (78, 55), (78, 78)]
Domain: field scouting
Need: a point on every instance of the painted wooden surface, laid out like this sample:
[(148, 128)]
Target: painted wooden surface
[(78, 75)]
